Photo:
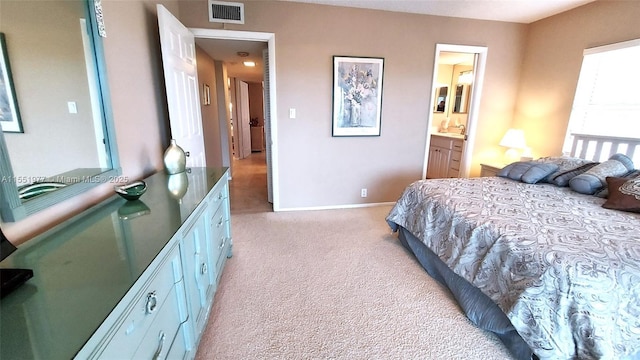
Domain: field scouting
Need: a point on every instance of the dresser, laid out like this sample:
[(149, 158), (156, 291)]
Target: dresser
[(124, 279)]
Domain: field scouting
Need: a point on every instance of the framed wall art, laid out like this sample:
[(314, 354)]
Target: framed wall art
[(357, 96), (9, 114)]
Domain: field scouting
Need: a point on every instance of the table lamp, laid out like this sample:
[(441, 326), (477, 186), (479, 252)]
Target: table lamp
[(514, 140)]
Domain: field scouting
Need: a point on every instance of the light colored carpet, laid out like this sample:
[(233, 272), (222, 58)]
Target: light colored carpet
[(333, 284)]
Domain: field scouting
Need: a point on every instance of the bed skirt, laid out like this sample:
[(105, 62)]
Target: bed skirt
[(478, 307)]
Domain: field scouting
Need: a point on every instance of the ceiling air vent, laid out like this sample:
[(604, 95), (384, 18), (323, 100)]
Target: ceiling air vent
[(226, 12)]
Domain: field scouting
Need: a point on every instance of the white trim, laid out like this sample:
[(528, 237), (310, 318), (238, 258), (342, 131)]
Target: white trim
[(336, 207), (474, 105), (270, 39), (610, 47), (231, 34)]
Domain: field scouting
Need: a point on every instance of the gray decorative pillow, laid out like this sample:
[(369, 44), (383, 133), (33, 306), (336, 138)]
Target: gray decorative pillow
[(568, 167), (624, 159), (594, 179), (529, 172), (562, 178)]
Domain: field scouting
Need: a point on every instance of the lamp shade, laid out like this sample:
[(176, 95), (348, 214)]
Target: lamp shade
[(514, 139)]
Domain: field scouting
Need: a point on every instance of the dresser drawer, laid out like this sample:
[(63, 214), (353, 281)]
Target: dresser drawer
[(162, 331), (147, 305), (223, 245), (218, 194), (178, 348), (219, 231)]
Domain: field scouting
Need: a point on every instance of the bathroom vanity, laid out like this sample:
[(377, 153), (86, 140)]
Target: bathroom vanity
[(445, 153), (124, 279)]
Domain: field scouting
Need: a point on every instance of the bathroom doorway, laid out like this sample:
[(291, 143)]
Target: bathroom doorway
[(458, 75)]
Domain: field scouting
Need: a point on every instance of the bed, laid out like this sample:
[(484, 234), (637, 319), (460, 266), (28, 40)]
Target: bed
[(548, 269)]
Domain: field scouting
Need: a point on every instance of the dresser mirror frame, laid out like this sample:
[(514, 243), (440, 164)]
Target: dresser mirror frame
[(12, 208)]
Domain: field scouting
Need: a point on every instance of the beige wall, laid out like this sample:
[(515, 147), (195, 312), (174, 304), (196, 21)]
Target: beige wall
[(210, 121), (317, 169), (552, 65)]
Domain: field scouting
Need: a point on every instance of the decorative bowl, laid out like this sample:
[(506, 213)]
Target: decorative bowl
[(131, 191)]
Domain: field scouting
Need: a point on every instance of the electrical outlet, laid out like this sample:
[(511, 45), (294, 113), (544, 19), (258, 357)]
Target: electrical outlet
[(363, 192)]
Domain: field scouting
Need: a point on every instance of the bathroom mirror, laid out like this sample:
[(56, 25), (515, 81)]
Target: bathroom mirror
[(441, 99), (65, 144), (461, 99)]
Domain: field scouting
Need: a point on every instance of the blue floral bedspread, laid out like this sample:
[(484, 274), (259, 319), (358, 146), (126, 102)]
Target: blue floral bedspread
[(564, 270)]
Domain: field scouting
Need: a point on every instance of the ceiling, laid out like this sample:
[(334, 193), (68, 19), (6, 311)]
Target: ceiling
[(519, 11), (227, 51)]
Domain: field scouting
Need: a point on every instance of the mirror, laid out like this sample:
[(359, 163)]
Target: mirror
[(55, 141), (441, 99), (461, 99), (453, 82)]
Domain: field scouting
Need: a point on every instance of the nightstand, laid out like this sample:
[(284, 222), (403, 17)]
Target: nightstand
[(490, 169)]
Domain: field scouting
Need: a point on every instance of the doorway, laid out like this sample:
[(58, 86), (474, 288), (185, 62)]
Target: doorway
[(458, 75), (270, 116)]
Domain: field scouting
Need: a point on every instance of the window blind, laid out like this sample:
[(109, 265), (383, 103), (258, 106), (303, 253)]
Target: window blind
[(607, 98)]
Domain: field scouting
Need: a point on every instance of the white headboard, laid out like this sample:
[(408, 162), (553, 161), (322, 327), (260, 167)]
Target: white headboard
[(600, 148)]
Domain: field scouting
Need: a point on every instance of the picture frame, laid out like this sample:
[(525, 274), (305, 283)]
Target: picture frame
[(206, 95), (9, 112), (357, 96)]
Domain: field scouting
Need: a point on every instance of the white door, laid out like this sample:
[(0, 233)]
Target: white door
[(244, 131), (181, 82), (267, 122)]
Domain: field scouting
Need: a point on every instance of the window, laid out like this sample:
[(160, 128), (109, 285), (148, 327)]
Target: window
[(607, 99)]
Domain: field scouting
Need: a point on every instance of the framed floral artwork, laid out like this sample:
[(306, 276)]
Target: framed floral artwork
[(9, 114), (357, 96)]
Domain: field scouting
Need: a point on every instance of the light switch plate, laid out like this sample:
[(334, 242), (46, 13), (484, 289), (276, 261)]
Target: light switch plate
[(292, 113), (73, 108)]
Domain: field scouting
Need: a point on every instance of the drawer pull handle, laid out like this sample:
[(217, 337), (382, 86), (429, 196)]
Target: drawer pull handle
[(224, 240), (152, 302), (220, 222), (203, 268), (220, 196), (160, 346)]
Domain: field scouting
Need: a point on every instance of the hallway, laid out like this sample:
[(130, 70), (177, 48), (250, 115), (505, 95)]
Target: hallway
[(248, 187)]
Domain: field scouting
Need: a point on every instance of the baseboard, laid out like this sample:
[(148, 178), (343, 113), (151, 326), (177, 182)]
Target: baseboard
[(336, 207)]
